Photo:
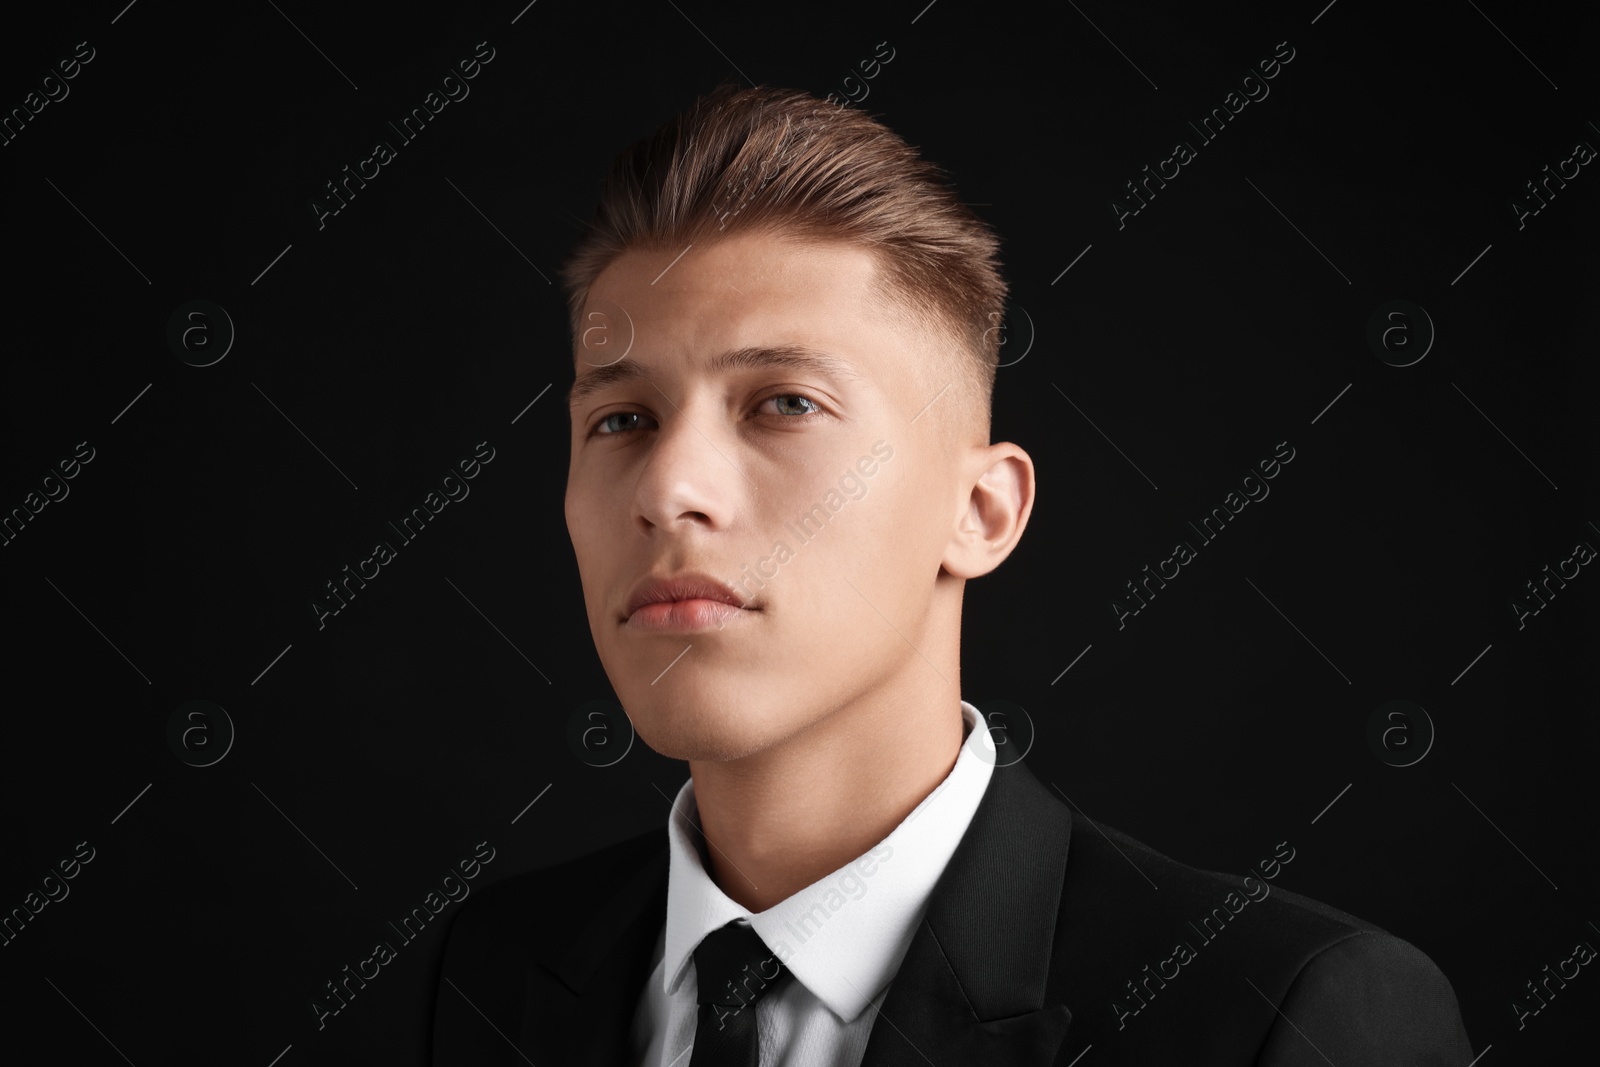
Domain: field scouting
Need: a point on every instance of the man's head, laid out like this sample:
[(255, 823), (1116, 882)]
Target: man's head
[(785, 337)]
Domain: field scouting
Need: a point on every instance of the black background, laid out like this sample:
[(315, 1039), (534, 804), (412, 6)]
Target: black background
[(376, 351)]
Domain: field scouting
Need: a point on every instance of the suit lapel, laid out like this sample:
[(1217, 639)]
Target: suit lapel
[(583, 1014), (973, 985)]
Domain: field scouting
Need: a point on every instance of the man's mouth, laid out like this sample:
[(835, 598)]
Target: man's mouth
[(688, 600), (694, 614)]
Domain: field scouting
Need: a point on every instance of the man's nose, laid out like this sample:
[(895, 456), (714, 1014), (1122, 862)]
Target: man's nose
[(690, 474)]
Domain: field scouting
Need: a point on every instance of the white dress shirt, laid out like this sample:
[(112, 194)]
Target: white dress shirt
[(842, 937)]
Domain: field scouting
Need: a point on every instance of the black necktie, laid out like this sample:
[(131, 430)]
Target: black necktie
[(734, 969)]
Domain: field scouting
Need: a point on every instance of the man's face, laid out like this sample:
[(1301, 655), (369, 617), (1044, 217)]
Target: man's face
[(758, 476)]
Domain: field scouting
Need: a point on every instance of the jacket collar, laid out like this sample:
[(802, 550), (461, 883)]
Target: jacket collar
[(971, 988), (844, 953)]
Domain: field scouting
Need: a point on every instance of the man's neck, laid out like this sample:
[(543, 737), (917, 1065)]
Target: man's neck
[(776, 822)]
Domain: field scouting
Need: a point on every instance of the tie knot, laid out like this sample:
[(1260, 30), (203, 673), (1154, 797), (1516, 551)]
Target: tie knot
[(734, 968)]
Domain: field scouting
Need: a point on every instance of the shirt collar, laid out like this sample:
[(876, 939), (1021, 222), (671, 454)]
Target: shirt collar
[(843, 936)]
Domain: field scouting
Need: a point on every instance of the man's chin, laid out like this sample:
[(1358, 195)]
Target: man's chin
[(701, 730)]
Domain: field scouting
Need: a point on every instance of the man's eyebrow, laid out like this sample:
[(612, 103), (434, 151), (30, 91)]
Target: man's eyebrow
[(796, 357)]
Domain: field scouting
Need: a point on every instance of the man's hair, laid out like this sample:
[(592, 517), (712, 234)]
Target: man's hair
[(783, 162)]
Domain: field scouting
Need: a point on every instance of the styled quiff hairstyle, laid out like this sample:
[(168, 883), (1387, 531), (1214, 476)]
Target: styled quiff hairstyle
[(783, 162)]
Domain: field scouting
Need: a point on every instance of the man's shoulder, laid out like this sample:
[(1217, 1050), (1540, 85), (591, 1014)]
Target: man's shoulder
[(1165, 956), (567, 883), (554, 880), (518, 951), (1107, 862), (1161, 902), (538, 914)]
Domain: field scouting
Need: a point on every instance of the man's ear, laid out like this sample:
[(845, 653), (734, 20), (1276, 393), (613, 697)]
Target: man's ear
[(997, 506)]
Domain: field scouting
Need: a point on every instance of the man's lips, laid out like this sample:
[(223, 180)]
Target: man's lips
[(695, 614), (685, 599)]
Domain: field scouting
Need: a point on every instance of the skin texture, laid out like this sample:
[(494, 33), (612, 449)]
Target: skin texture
[(817, 719)]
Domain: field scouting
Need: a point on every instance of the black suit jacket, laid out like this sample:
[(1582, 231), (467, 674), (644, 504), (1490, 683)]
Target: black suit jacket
[(1024, 957)]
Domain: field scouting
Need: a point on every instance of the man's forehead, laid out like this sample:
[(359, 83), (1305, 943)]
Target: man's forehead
[(750, 277), (740, 303)]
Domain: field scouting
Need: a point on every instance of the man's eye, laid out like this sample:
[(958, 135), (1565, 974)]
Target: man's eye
[(804, 408), (814, 408), (604, 426)]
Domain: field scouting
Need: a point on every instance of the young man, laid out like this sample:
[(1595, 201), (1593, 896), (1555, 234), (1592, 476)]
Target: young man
[(781, 479)]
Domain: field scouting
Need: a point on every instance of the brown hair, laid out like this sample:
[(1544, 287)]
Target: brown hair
[(784, 162)]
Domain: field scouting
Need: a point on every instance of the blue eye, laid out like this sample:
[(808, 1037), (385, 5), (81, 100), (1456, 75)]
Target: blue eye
[(616, 415), (605, 428), (796, 396)]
